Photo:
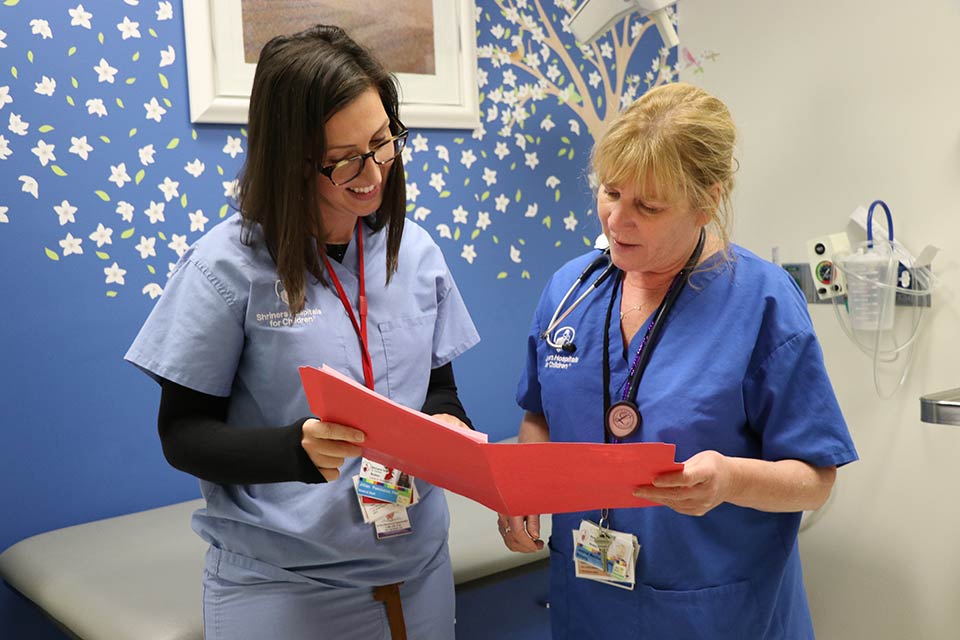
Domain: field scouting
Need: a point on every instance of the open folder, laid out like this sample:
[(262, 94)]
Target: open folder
[(515, 479)]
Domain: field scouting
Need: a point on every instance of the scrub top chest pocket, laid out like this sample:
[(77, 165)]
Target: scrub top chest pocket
[(408, 351)]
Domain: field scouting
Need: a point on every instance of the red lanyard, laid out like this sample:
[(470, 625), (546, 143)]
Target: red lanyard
[(361, 327)]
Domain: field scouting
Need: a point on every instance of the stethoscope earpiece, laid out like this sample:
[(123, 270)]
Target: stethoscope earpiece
[(569, 347)]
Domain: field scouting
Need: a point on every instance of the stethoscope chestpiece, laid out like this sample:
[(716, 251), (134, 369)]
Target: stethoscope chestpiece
[(622, 419)]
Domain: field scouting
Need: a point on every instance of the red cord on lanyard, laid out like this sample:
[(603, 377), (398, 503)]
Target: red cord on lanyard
[(361, 327)]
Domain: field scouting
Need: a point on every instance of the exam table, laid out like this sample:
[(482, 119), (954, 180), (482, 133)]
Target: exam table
[(138, 575)]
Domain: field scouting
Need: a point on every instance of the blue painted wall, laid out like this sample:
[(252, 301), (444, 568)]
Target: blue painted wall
[(101, 187)]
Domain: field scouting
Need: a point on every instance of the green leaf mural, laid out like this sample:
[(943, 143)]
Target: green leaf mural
[(479, 193)]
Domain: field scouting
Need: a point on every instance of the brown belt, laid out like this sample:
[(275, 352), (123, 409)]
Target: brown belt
[(389, 595)]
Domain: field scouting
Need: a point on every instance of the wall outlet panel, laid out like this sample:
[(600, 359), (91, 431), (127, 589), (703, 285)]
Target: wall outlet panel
[(801, 273), (821, 255)]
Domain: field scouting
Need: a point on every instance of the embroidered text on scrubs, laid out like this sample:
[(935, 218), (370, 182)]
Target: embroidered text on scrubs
[(283, 318), (554, 361)]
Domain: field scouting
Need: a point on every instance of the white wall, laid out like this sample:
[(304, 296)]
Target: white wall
[(839, 103)]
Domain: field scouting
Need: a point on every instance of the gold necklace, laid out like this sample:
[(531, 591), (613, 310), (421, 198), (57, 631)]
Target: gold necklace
[(633, 308)]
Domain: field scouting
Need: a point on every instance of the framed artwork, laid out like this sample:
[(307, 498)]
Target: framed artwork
[(430, 45)]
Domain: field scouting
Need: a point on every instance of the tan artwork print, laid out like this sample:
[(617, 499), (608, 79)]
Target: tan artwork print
[(399, 34)]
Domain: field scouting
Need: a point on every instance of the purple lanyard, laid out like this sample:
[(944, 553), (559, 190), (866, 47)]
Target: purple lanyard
[(636, 358)]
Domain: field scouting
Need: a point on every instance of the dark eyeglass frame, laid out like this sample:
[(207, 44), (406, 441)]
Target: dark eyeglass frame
[(362, 158)]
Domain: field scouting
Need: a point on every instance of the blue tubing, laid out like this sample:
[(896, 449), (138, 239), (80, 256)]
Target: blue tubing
[(886, 210)]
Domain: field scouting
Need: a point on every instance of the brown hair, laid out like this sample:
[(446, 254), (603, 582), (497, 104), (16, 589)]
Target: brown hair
[(300, 82), (678, 139)]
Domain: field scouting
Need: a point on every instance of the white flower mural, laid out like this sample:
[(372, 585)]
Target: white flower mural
[(80, 17), (71, 245), (65, 212), (80, 147), (101, 138)]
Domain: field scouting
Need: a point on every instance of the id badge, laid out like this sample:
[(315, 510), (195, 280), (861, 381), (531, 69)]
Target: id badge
[(605, 555), (389, 519), (373, 510), (395, 523), (385, 484)]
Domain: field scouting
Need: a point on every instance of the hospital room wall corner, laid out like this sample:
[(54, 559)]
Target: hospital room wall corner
[(821, 134)]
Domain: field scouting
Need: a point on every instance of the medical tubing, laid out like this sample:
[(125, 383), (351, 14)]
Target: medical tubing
[(664, 308), (914, 332), (606, 353), (897, 289), (878, 355), (810, 518), (555, 321), (596, 262), (886, 210), (890, 353), (896, 350), (919, 274), (876, 366), (637, 369), (596, 283), (636, 359)]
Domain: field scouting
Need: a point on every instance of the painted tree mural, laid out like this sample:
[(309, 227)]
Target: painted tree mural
[(595, 85), (97, 153), (544, 99)]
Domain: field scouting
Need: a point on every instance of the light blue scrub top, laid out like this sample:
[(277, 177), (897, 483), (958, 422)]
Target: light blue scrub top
[(738, 370), (223, 328)]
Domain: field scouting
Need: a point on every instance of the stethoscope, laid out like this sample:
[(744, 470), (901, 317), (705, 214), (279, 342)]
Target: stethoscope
[(565, 342), (622, 418)]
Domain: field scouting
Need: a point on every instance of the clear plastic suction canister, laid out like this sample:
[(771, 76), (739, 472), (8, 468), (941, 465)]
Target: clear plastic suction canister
[(887, 294), (871, 274)]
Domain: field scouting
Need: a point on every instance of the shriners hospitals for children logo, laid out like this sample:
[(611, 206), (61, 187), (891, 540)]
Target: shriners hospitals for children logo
[(562, 359), (281, 292), (277, 319), (563, 335)]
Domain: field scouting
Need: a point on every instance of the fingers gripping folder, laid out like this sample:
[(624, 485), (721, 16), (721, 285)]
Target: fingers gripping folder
[(515, 479)]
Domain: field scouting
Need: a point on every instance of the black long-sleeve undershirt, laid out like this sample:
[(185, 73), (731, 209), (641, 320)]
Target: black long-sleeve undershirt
[(197, 440)]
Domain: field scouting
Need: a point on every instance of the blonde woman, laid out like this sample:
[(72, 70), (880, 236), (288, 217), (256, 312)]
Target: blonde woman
[(694, 341)]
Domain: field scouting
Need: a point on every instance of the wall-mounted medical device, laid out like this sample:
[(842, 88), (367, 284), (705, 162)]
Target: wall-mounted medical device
[(879, 290), (595, 17), (821, 256), (888, 292)]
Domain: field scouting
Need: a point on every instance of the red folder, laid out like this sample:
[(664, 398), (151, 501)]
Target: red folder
[(515, 479)]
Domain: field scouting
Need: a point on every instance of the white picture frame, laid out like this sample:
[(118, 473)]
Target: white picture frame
[(219, 80)]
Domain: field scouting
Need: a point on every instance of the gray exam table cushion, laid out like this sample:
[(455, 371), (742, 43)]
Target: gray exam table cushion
[(139, 575), (133, 576)]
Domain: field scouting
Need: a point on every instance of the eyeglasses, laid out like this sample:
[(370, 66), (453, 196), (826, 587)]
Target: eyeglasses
[(342, 172)]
